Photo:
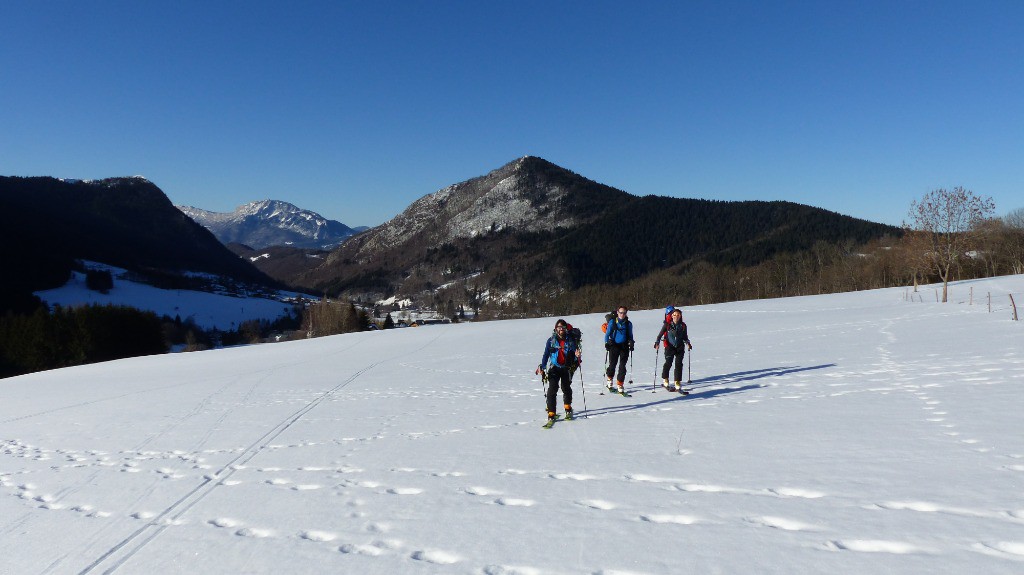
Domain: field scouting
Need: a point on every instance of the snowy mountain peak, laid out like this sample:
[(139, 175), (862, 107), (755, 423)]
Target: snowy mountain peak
[(272, 222)]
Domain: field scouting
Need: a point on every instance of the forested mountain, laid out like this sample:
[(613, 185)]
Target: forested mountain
[(283, 263), (47, 223), (532, 227)]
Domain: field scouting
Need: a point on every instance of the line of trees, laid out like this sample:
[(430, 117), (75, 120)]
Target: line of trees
[(953, 237), (72, 336), (326, 317)]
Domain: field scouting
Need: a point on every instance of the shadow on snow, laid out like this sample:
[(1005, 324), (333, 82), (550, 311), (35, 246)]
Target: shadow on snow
[(702, 383)]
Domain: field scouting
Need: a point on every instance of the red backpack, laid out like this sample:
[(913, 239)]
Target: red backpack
[(668, 322)]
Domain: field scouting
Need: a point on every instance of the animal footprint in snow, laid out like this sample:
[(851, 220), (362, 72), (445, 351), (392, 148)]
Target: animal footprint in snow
[(254, 533), (797, 492), (1005, 549), (597, 504), (361, 549), (480, 491), (448, 474), (373, 549), (573, 476), (319, 536), (876, 546), (783, 523), (307, 487), (673, 519), (224, 522), (509, 502), (436, 557), (405, 491)]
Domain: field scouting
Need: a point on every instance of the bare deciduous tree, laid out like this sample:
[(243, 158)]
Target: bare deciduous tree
[(949, 220), (1015, 239)]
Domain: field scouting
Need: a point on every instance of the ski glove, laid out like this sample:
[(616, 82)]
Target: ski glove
[(607, 346), (630, 346)]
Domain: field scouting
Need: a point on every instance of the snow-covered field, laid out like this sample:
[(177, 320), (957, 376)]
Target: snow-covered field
[(851, 433), (207, 310)]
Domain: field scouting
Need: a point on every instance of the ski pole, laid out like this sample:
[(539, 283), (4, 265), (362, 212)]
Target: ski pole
[(689, 360), (583, 387), (654, 382)]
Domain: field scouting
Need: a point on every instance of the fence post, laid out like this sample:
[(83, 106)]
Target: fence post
[(972, 296), (1014, 308), (989, 302)]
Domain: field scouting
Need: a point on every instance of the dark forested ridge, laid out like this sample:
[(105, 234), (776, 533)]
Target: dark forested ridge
[(126, 222), (653, 232)]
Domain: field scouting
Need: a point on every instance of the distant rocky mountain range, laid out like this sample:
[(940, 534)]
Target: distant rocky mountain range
[(272, 223)]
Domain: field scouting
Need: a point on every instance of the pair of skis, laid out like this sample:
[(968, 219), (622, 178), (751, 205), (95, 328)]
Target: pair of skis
[(551, 422), (617, 391)]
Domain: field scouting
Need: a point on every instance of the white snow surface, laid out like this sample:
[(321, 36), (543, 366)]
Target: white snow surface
[(849, 433), (207, 310)]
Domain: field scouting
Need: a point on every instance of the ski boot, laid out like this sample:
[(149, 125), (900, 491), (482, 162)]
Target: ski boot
[(551, 420), (664, 383), (568, 412), (679, 388)]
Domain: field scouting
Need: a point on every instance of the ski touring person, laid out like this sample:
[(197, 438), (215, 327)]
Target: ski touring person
[(564, 353), (618, 341), (675, 339)]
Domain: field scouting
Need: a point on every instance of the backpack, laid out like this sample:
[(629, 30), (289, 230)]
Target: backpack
[(575, 335), (668, 313), (608, 317), (668, 323)]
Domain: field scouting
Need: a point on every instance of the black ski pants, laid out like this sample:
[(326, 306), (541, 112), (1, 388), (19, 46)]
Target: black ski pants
[(618, 354), (673, 358), (559, 377)]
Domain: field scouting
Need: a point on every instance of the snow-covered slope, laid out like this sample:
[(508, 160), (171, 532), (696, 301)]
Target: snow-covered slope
[(852, 433), (207, 310)]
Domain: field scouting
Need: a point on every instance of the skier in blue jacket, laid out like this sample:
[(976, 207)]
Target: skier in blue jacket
[(565, 356), (618, 341)]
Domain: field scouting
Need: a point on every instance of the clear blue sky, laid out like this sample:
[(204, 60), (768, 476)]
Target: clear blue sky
[(355, 109)]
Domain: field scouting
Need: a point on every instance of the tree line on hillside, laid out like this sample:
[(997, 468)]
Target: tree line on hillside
[(896, 260)]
